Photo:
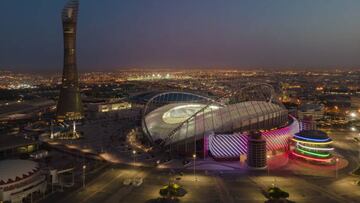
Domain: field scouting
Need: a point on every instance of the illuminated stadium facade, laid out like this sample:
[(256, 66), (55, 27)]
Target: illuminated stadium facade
[(313, 145), (192, 123)]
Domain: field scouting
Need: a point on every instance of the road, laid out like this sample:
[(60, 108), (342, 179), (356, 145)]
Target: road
[(212, 187), (228, 186)]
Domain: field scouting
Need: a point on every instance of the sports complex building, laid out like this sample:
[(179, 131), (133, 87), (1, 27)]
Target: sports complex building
[(313, 145), (189, 123)]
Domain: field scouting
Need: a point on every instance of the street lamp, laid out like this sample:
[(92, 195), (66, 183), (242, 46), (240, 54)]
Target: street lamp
[(194, 157), (336, 167), (134, 153), (74, 127), (268, 168), (84, 169)]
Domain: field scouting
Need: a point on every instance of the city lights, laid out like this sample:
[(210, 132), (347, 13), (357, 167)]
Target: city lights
[(313, 153), (312, 139), (311, 158), (181, 101), (316, 148)]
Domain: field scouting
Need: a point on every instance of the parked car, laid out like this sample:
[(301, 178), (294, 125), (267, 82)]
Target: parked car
[(127, 181), (137, 181)]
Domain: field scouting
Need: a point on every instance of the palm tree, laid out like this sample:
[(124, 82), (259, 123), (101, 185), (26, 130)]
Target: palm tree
[(276, 193), (172, 191)]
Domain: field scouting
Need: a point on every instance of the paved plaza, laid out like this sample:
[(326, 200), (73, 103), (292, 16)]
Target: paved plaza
[(215, 181), (211, 187)]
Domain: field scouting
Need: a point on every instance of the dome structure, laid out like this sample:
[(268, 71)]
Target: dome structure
[(12, 171), (218, 127), (175, 117), (242, 116), (19, 179)]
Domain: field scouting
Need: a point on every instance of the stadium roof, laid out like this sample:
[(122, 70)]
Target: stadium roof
[(241, 116), (16, 170)]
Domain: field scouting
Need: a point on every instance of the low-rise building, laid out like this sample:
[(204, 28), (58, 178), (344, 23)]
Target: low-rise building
[(12, 146), (311, 110), (108, 107), (21, 181)]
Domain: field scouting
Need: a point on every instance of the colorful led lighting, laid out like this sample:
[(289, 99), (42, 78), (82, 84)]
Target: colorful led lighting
[(316, 148), (311, 158), (313, 153), (317, 143), (312, 139)]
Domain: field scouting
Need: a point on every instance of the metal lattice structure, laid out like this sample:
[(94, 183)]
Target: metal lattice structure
[(167, 98), (258, 92)]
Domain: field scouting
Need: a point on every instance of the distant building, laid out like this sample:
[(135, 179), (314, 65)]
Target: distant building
[(113, 109), (13, 146), (24, 110), (338, 91), (337, 105), (70, 106), (108, 107), (315, 111), (307, 123)]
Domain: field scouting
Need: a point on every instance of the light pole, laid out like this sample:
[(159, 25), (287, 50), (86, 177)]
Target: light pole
[(336, 167), (84, 170), (359, 149), (194, 157), (51, 130), (134, 153), (74, 127), (268, 168)]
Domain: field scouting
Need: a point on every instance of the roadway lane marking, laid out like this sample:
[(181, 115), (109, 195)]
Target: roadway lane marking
[(119, 195), (222, 190), (105, 185)]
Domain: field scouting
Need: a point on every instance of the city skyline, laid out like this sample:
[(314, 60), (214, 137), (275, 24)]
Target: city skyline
[(179, 101), (146, 34)]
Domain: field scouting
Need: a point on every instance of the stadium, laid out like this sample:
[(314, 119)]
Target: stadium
[(190, 123)]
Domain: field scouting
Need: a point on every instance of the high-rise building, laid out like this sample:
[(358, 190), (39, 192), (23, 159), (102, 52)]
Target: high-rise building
[(70, 106)]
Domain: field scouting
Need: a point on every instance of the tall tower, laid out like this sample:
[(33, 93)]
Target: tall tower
[(70, 106)]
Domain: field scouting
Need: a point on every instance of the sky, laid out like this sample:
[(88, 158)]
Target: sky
[(117, 34)]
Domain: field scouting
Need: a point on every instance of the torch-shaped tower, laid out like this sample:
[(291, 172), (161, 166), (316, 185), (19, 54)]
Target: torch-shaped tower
[(70, 106)]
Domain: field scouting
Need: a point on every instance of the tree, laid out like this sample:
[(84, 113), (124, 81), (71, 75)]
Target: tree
[(172, 191), (277, 193)]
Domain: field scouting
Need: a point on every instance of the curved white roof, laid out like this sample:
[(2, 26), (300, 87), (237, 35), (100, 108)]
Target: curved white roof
[(161, 121), (16, 170)]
